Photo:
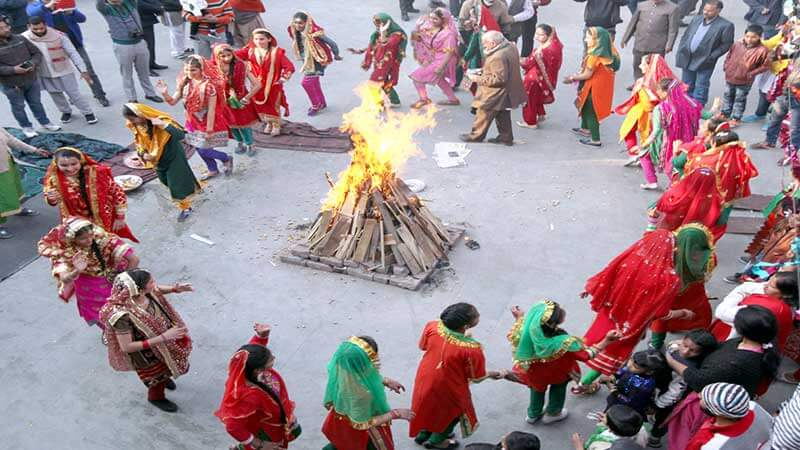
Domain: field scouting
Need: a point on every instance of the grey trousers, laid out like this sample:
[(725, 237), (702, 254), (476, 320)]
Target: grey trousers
[(130, 57), (97, 87), (243, 31), (66, 86)]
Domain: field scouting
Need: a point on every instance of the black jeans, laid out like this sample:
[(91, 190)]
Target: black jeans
[(150, 40), (406, 5), (528, 30)]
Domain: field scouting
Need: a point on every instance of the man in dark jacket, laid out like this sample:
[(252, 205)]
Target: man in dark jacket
[(706, 39), (18, 61), (149, 10), (68, 22), (603, 13), (15, 11)]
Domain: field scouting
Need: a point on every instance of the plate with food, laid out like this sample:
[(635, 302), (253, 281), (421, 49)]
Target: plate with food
[(129, 182), (133, 161)]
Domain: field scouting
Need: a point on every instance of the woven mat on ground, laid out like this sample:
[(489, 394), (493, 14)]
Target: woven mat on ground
[(33, 167), (304, 137), (744, 225), (756, 202)]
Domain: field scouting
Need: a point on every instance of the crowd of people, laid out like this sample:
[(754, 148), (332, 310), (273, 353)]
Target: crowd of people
[(697, 391)]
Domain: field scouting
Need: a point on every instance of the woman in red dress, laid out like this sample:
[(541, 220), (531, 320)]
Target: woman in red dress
[(268, 63), (386, 51), (546, 357), (359, 416), (81, 187), (451, 361), (256, 408), (644, 283), (238, 106), (541, 75), (695, 198)]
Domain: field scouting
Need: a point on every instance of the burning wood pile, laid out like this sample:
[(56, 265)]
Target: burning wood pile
[(372, 225)]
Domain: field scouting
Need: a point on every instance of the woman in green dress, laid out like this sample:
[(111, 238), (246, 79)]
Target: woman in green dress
[(159, 142), (11, 192)]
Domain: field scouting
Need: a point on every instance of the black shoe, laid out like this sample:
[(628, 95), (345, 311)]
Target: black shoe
[(91, 119), (5, 234), (733, 279), (66, 117), (157, 66), (155, 99), (154, 74), (468, 138), (405, 17), (164, 405), (496, 140), (170, 385), (744, 259), (413, 10), (589, 142), (103, 102), (27, 212)]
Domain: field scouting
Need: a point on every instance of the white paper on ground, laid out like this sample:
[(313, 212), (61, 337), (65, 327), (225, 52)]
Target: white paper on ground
[(450, 154)]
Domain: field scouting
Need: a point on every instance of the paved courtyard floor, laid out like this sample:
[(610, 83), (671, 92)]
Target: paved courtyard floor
[(547, 212)]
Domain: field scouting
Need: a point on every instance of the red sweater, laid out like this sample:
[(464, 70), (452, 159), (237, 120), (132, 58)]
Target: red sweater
[(743, 63), (248, 5)]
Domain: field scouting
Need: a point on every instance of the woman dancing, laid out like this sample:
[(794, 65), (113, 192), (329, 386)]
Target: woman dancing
[(435, 43), (387, 48), (145, 334), (159, 143), (595, 84), (269, 63), (256, 409), (546, 358), (541, 75), (359, 416), (80, 187), (452, 360), (241, 113), (317, 51), (85, 259), (202, 88), (641, 285), (695, 198)]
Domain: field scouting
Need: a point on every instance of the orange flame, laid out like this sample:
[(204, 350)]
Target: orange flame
[(383, 141)]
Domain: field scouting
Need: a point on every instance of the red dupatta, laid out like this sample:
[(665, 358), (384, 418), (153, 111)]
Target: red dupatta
[(270, 71), (315, 50), (639, 285), (103, 195), (542, 68), (733, 167), (198, 94), (695, 198)]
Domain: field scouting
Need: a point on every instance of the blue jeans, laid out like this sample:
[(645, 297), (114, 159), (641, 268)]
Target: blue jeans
[(780, 108), (794, 126), (734, 100), (32, 94), (698, 83)]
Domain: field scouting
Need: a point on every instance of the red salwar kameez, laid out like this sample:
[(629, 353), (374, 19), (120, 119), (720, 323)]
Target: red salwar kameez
[(273, 68), (541, 78), (441, 388), (695, 198), (345, 435), (248, 411), (235, 79), (384, 55), (101, 202), (784, 315), (733, 167), (636, 288)]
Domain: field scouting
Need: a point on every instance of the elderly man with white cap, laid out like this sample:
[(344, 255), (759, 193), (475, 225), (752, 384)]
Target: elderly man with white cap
[(736, 422)]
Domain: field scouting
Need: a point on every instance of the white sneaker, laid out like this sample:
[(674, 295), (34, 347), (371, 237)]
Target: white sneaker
[(649, 186), (548, 419), (51, 127), (29, 132), (532, 420)]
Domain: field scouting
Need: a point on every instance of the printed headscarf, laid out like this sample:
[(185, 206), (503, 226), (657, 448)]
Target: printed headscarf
[(385, 19)]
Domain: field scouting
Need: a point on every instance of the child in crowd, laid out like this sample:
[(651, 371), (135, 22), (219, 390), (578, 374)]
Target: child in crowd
[(691, 350), (516, 440), (636, 382), (619, 423), (747, 58)]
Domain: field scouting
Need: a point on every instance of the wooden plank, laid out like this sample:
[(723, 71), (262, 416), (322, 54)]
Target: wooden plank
[(331, 242), (321, 226), (364, 241), (409, 259), (348, 206), (388, 225)]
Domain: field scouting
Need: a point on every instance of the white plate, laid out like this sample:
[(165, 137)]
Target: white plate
[(129, 182), (415, 185)]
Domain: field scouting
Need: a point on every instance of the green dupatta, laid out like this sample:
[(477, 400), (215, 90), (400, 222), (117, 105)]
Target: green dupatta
[(604, 48), (355, 387), (694, 253), (531, 344), (393, 28)]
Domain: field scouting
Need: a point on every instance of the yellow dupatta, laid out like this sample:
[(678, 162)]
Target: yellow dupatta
[(153, 145)]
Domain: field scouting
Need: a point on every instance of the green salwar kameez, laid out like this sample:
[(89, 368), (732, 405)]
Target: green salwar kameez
[(174, 171), (11, 192)]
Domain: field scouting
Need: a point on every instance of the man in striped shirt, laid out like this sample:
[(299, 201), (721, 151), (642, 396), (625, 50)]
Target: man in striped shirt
[(209, 28), (786, 432)]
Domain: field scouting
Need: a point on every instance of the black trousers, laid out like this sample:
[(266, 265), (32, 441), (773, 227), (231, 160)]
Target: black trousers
[(406, 5), (455, 7), (528, 30), (150, 40)]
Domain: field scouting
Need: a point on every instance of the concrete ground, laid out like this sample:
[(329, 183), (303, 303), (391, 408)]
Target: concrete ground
[(548, 214)]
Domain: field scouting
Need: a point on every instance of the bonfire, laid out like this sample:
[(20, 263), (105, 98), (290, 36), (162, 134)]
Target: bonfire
[(371, 224)]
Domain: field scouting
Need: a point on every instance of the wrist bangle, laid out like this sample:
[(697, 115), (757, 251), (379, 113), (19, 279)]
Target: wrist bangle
[(145, 344), (393, 414)]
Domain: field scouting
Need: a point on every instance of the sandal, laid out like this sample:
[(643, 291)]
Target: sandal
[(590, 142), (583, 389), (451, 443), (275, 131), (420, 103), (581, 132), (525, 125), (454, 102), (184, 215), (208, 175)]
